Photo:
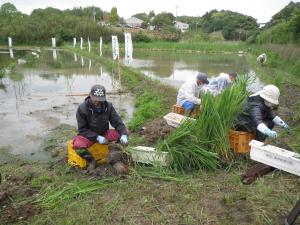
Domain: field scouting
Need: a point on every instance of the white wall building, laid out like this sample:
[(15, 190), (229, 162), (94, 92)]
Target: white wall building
[(134, 22), (181, 26)]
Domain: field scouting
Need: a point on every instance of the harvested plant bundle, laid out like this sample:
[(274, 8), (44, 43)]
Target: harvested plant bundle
[(199, 144), (54, 195)]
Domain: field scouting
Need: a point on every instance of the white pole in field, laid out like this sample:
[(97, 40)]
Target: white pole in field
[(81, 42), (53, 42), (74, 42), (128, 47), (100, 46), (90, 65), (9, 42), (89, 44), (115, 47)]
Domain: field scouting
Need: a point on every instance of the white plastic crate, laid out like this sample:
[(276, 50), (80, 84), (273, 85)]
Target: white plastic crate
[(276, 157), (174, 119), (148, 155)]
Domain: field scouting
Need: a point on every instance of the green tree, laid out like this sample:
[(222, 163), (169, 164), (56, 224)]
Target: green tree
[(113, 16), (163, 20), (8, 8)]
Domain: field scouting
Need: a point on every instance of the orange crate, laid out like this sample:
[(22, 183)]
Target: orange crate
[(180, 110), (239, 141), (99, 152)]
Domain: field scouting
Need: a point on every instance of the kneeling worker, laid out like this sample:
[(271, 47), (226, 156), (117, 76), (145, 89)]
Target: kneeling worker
[(93, 118), (258, 115), (189, 93)]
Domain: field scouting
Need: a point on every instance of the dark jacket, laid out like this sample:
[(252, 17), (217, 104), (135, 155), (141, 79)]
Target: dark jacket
[(255, 112), (91, 123)]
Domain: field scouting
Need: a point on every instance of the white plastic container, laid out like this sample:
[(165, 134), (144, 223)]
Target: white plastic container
[(276, 157), (148, 155), (174, 119)]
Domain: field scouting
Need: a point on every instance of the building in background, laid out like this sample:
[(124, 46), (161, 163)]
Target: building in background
[(134, 22), (181, 26)]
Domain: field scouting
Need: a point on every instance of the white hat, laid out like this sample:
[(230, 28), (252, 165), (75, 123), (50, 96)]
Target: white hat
[(270, 93)]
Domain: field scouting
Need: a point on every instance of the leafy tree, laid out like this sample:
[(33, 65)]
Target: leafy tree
[(8, 8), (141, 16), (151, 14), (163, 20), (284, 15), (113, 16)]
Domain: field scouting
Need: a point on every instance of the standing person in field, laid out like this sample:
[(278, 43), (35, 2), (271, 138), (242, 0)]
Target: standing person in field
[(93, 118), (218, 84), (258, 115), (189, 93), (262, 59)]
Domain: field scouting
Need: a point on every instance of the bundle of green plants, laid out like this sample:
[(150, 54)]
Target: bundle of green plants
[(140, 171), (199, 144), (53, 195)]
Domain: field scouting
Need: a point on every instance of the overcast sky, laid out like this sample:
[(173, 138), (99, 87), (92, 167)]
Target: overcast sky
[(262, 10)]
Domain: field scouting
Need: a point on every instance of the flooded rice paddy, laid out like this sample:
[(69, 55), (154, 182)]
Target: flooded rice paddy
[(33, 94)]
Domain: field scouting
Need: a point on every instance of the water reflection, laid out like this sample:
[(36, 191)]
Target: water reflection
[(33, 101), (11, 53), (54, 54), (75, 57), (174, 68), (82, 62)]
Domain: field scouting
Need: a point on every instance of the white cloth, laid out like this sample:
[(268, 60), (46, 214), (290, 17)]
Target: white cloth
[(217, 85), (190, 91), (262, 58)]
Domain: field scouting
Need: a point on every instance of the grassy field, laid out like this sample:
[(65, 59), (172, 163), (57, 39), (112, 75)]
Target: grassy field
[(147, 196), (201, 198)]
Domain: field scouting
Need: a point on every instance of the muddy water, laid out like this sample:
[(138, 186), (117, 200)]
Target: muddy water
[(33, 96), (174, 68)]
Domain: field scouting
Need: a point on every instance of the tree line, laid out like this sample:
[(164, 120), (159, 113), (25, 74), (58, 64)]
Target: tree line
[(92, 22)]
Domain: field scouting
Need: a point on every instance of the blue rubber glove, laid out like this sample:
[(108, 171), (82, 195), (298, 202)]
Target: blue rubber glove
[(124, 139), (271, 133), (101, 140)]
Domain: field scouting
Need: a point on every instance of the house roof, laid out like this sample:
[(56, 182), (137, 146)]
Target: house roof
[(134, 20), (181, 23)]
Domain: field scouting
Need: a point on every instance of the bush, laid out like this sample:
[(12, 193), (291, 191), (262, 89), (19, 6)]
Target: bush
[(142, 37)]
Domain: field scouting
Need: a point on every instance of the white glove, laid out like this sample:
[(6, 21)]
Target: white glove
[(101, 140), (265, 130), (124, 139), (278, 121)]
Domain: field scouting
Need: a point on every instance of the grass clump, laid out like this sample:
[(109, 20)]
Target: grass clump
[(197, 145), (148, 106), (54, 195)]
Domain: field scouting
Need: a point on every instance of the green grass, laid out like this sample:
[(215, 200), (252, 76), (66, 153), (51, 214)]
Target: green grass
[(195, 46), (149, 197)]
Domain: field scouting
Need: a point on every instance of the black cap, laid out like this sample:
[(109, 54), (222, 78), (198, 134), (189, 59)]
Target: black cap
[(203, 77), (233, 74), (98, 93)]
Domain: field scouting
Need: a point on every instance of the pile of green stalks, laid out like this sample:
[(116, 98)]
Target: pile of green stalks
[(53, 195), (199, 144)]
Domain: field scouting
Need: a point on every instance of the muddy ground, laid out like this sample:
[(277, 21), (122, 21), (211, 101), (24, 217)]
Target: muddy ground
[(18, 187), (155, 130)]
